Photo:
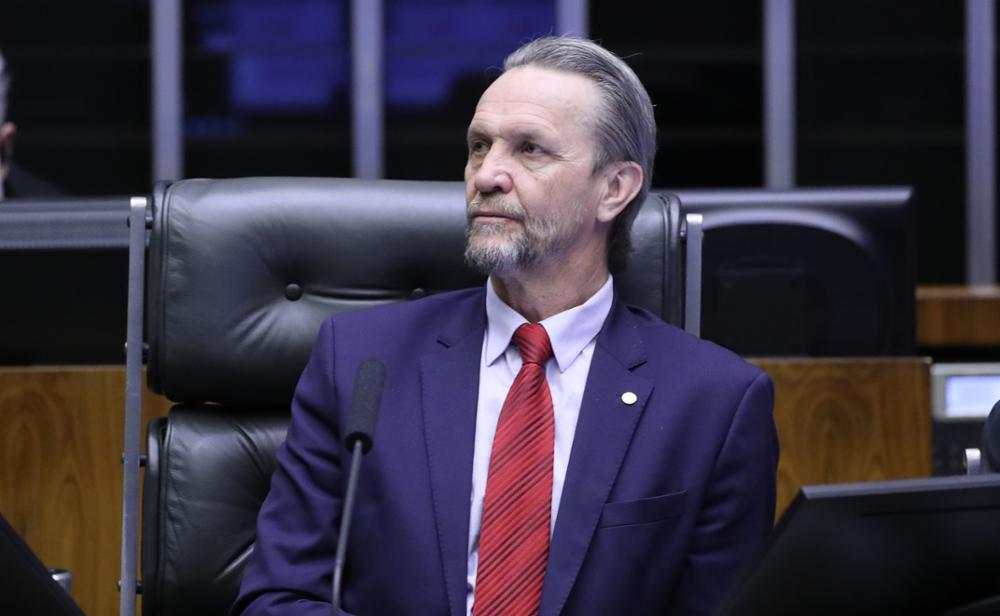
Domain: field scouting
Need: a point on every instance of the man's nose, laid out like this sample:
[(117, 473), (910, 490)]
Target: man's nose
[(493, 174)]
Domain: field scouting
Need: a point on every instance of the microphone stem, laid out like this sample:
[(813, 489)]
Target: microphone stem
[(345, 522)]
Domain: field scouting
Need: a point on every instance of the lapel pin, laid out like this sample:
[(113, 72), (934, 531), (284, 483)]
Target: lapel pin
[(629, 398)]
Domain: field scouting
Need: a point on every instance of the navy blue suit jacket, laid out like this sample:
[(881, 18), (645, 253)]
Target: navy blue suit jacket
[(991, 441), (664, 500)]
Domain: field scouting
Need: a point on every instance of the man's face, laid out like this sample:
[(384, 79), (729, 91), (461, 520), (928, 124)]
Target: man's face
[(529, 180)]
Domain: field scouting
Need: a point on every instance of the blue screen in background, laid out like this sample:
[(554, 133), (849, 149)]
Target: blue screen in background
[(282, 57), (430, 46), (293, 56)]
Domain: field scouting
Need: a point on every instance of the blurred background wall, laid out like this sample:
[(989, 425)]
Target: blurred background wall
[(879, 91)]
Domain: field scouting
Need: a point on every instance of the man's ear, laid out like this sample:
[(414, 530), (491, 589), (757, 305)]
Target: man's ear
[(624, 180)]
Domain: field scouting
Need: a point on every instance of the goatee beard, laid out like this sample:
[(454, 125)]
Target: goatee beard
[(488, 257), (516, 245)]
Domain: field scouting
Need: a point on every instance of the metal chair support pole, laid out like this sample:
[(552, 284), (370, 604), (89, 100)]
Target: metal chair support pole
[(693, 233), (133, 405)]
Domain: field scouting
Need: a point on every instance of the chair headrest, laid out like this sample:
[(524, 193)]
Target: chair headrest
[(242, 272)]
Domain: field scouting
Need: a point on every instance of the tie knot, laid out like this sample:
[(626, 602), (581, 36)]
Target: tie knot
[(533, 342)]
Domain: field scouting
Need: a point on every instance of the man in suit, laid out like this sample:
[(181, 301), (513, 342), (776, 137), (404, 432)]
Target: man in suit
[(6, 129), (541, 447), (990, 459)]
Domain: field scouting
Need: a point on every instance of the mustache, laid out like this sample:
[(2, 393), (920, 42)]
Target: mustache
[(496, 205)]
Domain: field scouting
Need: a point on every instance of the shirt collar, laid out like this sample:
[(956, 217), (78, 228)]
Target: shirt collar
[(570, 331)]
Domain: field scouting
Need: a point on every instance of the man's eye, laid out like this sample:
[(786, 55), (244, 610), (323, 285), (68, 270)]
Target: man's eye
[(532, 148), (478, 147)]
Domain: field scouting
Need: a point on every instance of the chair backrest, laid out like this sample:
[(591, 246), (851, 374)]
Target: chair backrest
[(242, 272), (240, 275)]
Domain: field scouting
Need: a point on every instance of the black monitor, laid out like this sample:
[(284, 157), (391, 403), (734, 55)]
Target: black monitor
[(807, 272), (64, 275), (921, 546), (26, 586)]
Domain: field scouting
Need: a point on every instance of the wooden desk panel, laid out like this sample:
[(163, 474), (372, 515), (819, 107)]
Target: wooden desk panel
[(847, 420), (61, 438), (958, 316)]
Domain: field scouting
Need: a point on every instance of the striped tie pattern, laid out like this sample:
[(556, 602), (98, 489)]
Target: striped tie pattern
[(517, 507)]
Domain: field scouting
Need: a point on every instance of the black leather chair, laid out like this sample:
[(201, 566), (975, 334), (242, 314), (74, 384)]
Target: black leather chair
[(240, 275)]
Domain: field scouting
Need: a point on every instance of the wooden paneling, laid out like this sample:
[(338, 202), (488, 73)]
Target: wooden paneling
[(61, 439), (958, 316), (846, 420)]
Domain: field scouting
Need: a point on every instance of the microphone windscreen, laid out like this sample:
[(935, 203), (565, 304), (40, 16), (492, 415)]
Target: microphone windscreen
[(365, 401)]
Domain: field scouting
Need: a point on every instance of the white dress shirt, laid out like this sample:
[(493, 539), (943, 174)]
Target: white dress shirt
[(573, 334)]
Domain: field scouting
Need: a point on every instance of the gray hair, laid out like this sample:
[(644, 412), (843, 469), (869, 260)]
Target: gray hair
[(625, 129)]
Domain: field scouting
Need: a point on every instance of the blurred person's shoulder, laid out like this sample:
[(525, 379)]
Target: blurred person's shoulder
[(22, 183)]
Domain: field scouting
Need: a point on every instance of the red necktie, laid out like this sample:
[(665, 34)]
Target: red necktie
[(514, 540)]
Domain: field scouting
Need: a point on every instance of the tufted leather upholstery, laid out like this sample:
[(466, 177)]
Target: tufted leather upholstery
[(240, 275), (207, 474)]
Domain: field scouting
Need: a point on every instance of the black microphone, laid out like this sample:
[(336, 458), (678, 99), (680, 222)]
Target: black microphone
[(365, 401)]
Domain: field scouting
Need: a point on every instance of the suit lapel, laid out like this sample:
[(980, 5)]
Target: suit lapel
[(603, 433), (450, 391)]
